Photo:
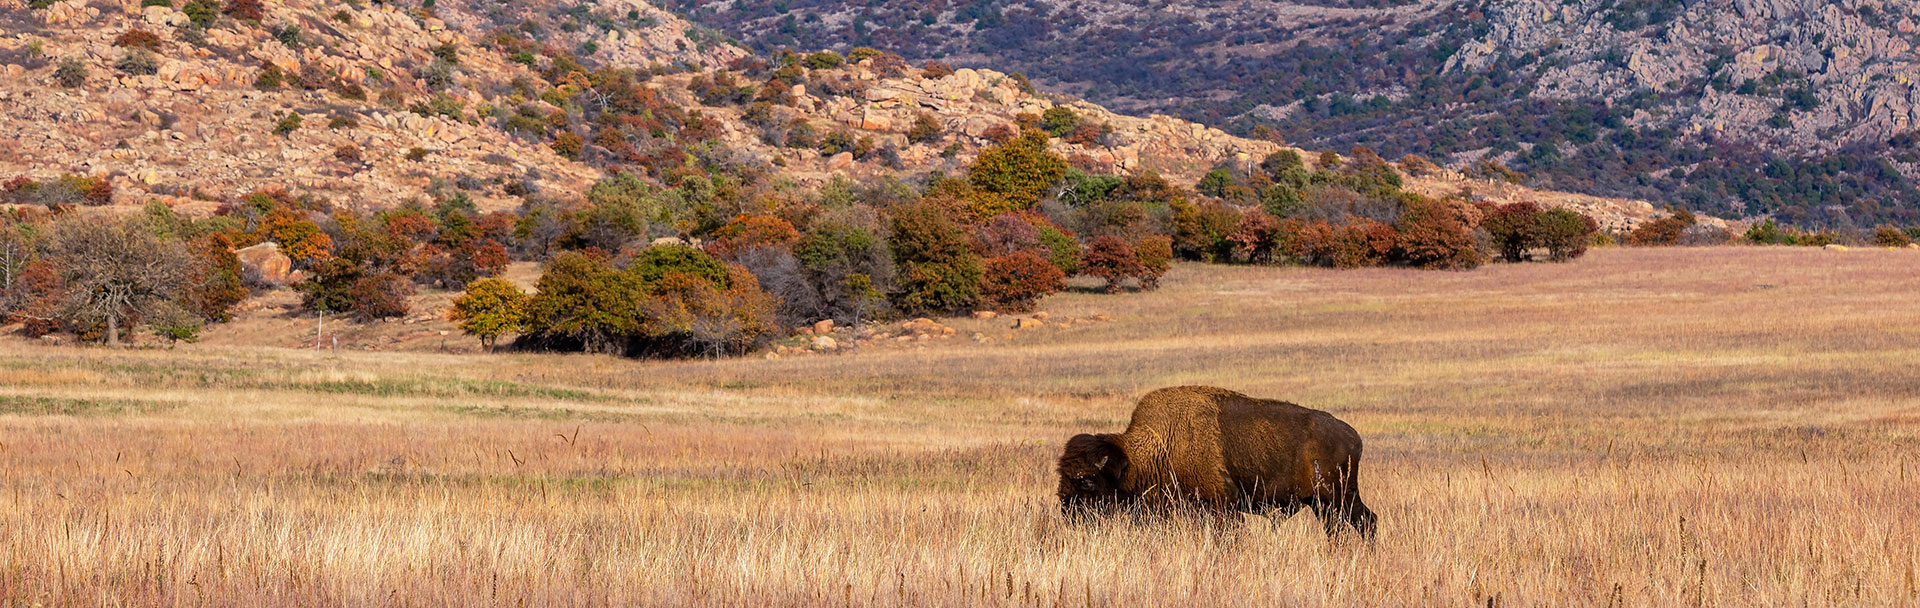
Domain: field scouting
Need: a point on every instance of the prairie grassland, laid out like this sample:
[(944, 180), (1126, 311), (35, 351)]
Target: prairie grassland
[(1699, 427)]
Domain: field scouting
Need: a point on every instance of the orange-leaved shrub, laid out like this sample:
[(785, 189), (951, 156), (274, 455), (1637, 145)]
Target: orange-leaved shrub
[(1015, 282), (1111, 258), (1438, 234)]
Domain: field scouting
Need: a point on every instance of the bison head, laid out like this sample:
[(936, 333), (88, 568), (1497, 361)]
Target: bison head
[(1090, 471)]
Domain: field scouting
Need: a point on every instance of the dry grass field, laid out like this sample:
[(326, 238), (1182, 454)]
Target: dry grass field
[(1682, 427)]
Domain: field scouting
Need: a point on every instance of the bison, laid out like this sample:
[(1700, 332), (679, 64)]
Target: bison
[(1212, 447)]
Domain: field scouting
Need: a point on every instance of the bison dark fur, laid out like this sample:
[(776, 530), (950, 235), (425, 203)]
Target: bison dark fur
[(1219, 449)]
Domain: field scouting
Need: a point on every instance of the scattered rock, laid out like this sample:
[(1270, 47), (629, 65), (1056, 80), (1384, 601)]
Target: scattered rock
[(984, 314), (823, 326), (1835, 248), (1028, 323), (1042, 316), (824, 343)]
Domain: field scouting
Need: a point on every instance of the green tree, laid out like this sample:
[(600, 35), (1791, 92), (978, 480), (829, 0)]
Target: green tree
[(583, 301), (939, 271), (1059, 121), (490, 307), (1014, 176), (1565, 233)]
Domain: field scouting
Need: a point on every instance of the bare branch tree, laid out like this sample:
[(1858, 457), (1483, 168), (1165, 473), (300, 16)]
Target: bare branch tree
[(115, 269)]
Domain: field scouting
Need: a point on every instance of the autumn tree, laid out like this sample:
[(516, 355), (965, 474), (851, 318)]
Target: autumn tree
[(1111, 258), (490, 307), (114, 270), (1514, 228), (1015, 282)]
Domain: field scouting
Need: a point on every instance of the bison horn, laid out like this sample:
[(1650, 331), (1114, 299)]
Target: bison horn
[(1103, 462)]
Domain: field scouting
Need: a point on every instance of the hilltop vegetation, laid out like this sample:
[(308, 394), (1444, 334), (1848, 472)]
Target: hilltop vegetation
[(1802, 110)]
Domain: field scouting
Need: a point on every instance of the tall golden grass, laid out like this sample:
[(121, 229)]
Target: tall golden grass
[(1688, 427)]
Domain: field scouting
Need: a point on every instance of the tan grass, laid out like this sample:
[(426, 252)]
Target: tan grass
[(1693, 427)]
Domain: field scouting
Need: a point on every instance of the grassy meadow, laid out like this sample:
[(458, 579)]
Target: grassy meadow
[(1643, 427)]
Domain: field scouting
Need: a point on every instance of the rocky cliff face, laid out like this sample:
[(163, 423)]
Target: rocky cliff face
[(1799, 75)]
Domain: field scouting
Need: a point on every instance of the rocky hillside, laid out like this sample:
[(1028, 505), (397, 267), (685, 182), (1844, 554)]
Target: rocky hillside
[(1794, 108), (377, 105), (190, 112)]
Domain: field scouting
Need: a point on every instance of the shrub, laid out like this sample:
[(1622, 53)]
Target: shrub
[(201, 13), (287, 124), (1766, 233), (1156, 257), (935, 69), (138, 38), (752, 231), (347, 153), (1514, 228), (655, 263), (381, 296), (823, 60), (1436, 234), (1112, 259), (832, 253), (1005, 234), (416, 154), (329, 285), (246, 10), (300, 239), (1418, 166), (1565, 233), (1329, 160), (568, 146), (940, 272), (1665, 231), (581, 303), (1059, 121), (488, 308), (1062, 249), (1015, 282), (1256, 238), (940, 287), (925, 129), (175, 325), (1088, 134), (270, 78), (217, 285), (1014, 175), (288, 34), (71, 74), (1202, 231), (686, 315), (458, 265), (1888, 236)]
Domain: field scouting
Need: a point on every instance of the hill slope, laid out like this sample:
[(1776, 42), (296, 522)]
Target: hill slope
[(1797, 108), (394, 105)]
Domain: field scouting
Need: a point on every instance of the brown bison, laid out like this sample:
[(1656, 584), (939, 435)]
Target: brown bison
[(1225, 451)]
